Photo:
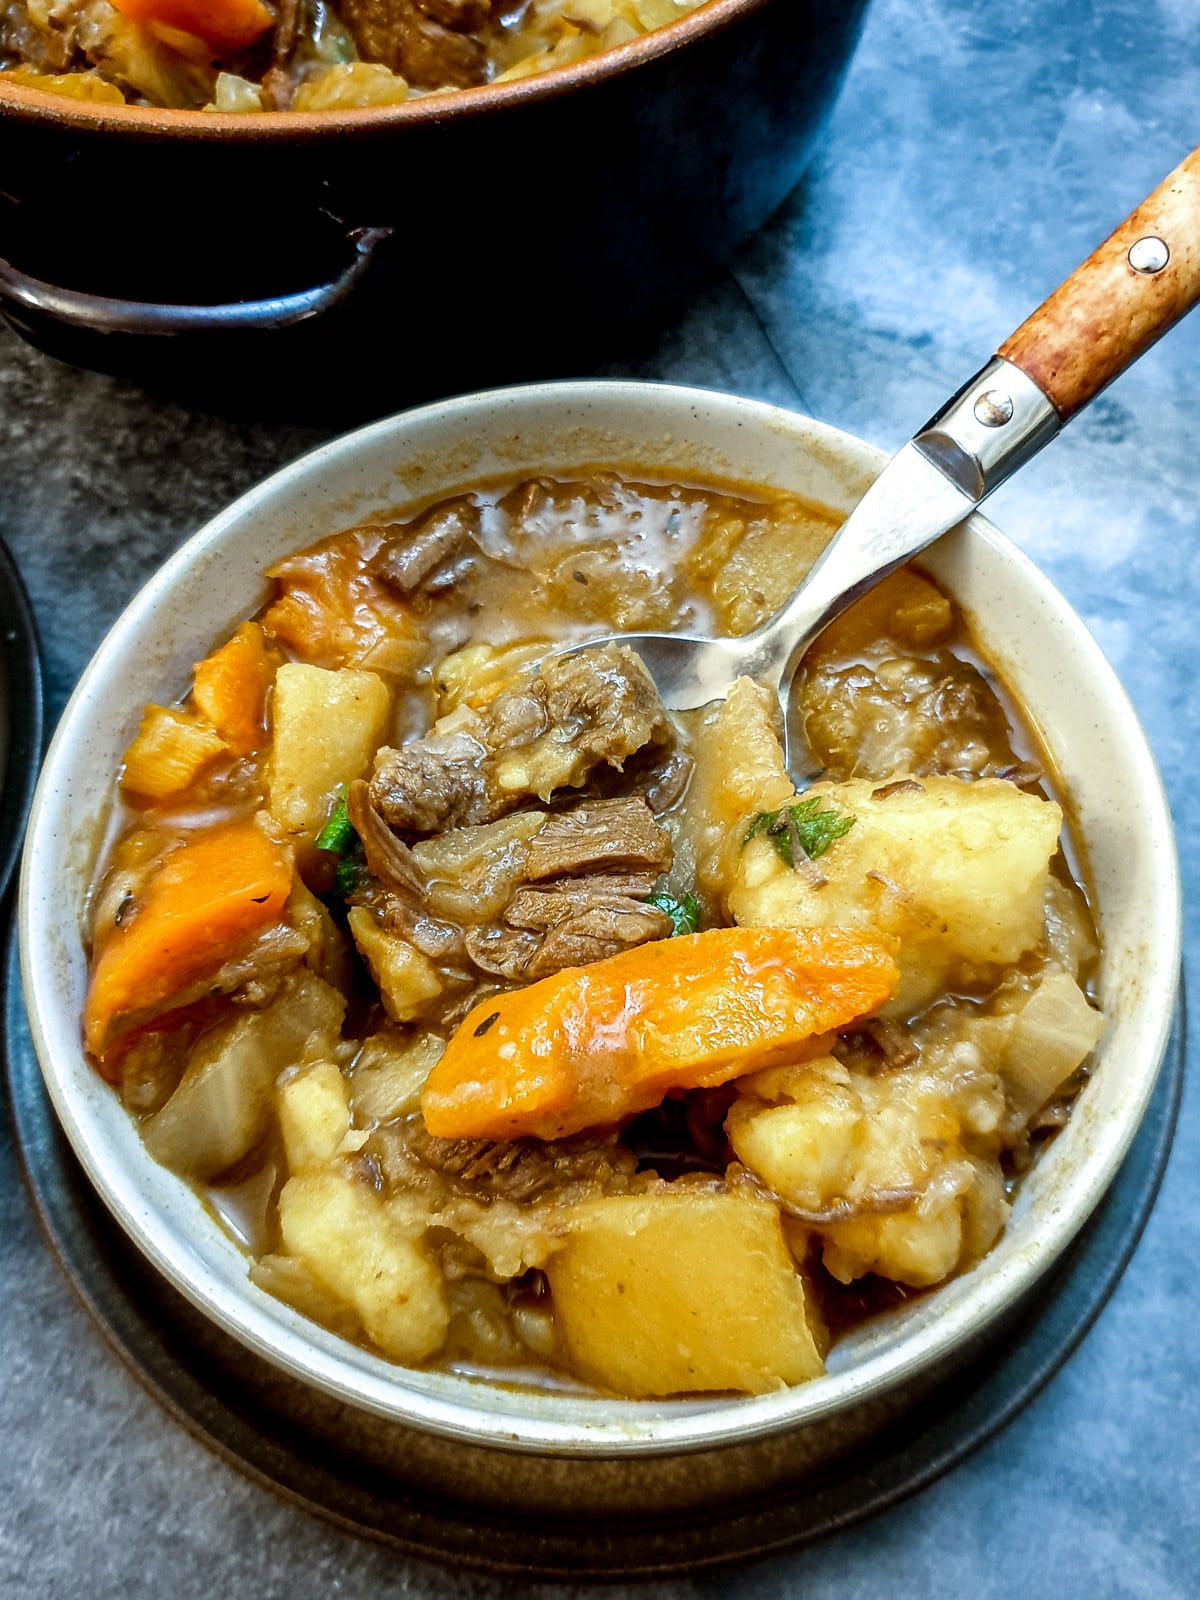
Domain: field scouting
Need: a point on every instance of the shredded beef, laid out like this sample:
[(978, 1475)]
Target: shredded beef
[(414, 45), (524, 1169), (608, 834), (575, 714), (389, 859)]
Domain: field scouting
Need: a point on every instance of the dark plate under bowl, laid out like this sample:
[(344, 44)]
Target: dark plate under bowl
[(20, 713)]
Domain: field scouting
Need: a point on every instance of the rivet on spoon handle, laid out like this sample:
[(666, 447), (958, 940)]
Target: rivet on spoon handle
[(1140, 281)]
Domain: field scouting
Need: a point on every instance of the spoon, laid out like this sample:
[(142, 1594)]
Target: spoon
[(1127, 293)]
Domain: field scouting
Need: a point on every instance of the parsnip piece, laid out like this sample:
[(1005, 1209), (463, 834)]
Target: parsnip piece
[(955, 870), (406, 978), (673, 1293), (341, 1231), (222, 1106), (326, 728), (1038, 1047), (739, 772), (390, 1072), (171, 750)]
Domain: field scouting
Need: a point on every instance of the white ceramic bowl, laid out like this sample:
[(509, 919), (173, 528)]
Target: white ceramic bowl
[(1044, 652)]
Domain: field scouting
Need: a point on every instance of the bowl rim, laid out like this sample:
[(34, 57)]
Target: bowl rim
[(155, 122), (545, 1426)]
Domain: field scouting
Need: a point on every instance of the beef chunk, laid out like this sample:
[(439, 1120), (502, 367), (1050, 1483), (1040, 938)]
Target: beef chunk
[(612, 835), (549, 730), (592, 932), (605, 702), (576, 931), (411, 556), (413, 44), (464, 16), (433, 784), (543, 906)]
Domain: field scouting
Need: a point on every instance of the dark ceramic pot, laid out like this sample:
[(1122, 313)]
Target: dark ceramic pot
[(451, 239)]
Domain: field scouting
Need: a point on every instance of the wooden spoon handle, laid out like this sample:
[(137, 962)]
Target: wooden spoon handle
[(1140, 281)]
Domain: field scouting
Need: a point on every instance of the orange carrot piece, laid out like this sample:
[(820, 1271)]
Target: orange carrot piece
[(593, 1045), (230, 688), (227, 25), (206, 902)]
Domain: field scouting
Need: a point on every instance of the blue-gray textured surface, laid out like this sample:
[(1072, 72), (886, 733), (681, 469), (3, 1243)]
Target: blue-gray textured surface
[(978, 152)]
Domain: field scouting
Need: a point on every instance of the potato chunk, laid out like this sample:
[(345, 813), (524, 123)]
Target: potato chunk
[(406, 978), (956, 870), (327, 726), (881, 1166), (314, 1117), (340, 1229), (674, 1293), (739, 771)]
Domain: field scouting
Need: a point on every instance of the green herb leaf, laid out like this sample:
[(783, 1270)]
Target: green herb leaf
[(804, 824), (684, 914), (351, 874), (338, 835)]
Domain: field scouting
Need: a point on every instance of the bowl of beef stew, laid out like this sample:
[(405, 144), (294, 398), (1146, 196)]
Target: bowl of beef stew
[(546, 1073)]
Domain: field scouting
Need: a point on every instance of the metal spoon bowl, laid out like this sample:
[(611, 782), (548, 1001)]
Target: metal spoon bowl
[(1127, 293)]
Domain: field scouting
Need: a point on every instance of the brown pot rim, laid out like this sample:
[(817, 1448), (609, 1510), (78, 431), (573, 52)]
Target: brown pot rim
[(36, 105)]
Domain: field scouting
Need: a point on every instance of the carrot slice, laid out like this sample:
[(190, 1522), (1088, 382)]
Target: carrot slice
[(227, 25), (206, 902), (593, 1045), (230, 688)]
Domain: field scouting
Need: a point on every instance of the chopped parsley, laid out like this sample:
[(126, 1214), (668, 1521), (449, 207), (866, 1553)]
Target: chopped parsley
[(803, 826), (684, 914), (339, 838), (338, 835), (350, 874)]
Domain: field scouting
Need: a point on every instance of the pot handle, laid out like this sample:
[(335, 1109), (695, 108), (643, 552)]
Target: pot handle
[(20, 292)]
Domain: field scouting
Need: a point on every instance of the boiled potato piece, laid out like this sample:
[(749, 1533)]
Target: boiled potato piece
[(406, 978), (222, 1106), (916, 1248), (314, 1117), (880, 1165), (674, 1293), (955, 870), (327, 727), (739, 772), (340, 1229)]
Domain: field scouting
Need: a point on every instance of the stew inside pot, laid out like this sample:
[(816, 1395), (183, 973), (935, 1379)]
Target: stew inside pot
[(519, 1028), (303, 55)]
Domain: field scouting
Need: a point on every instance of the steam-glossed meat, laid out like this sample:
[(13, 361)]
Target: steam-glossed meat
[(548, 731), (414, 45)]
